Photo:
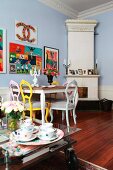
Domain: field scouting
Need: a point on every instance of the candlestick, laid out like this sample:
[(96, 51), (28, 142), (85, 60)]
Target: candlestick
[(66, 66), (35, 75)]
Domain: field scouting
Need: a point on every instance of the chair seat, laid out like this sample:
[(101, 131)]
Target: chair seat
[(61, 105), (35, 105)]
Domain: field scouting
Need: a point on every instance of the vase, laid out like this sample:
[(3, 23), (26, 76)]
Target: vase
[(12, 124), (50, 79)]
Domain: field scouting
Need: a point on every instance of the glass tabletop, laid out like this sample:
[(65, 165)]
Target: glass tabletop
[(37, 147)]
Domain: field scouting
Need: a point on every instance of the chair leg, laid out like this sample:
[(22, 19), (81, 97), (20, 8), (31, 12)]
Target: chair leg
[(51, 114), (63, 115), (47, 114), (34, 114), (47, 111), (74, 116), (67, 118), (23, 114)]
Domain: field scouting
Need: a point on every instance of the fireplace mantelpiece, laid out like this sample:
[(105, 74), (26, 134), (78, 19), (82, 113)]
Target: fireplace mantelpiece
[(90, 81)]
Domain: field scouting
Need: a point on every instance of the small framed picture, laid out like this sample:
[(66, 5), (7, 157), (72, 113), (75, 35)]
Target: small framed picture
[(80, 71), (90, 72), (85, 72)]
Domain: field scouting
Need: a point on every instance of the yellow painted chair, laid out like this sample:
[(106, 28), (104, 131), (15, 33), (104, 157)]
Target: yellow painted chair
[(30, 105)]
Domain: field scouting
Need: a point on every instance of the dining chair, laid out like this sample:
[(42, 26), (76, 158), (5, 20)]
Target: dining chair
[(14, 95), (30, 105), (71, 94)]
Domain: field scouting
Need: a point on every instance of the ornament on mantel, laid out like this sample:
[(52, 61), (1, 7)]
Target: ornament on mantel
[(66, 66)]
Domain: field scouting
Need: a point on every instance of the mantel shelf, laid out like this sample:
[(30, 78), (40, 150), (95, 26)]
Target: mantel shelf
[(84, 76)]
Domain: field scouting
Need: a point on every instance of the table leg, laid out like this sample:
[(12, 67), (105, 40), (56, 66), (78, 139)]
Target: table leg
[(71, 159), (42, 99)]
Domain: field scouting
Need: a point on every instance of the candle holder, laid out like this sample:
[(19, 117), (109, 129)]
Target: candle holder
[(66, 66), (35, 74)]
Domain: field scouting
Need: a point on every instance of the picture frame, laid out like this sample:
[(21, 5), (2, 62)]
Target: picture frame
[(23, 58), (2, 50), (90, 71), (51, 58), (80, 71)]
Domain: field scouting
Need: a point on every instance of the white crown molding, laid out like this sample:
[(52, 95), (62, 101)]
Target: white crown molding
[(96, 10), (61, 7), (80, 25)]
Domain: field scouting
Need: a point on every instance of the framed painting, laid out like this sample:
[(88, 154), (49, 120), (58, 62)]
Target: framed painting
[(23, 58), (51, 58), (2, 50)]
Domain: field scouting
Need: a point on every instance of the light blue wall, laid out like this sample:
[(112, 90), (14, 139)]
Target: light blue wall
[(51, 31), (104, 47)]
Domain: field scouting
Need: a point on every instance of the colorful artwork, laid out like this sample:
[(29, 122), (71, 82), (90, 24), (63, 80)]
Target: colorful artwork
[(25, 32), (23, 58), (51, 58), (2, 50)]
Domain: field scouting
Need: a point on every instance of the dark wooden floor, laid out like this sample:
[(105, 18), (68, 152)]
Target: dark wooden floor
[(95, 140)]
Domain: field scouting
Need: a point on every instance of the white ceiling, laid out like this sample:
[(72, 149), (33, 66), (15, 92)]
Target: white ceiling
[(79, 8), (81, 5)]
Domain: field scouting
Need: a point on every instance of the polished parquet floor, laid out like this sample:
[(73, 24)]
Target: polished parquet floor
[(95, 140)]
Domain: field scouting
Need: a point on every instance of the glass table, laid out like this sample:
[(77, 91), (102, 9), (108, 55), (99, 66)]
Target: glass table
[(34, 153)]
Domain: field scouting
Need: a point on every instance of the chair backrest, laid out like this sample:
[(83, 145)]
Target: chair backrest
[(14, 95), (72, 94), (26, 96)]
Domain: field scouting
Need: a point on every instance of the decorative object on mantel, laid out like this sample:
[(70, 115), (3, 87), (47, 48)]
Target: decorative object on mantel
[(35, 74), (66, 66), (50, 72), (96, 69), (13, 111)]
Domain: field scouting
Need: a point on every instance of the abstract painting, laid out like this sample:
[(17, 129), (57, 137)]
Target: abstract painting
[(2, 50), (23, 58)]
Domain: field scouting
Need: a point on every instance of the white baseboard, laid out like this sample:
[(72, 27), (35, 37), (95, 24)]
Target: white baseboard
[(106, 92)]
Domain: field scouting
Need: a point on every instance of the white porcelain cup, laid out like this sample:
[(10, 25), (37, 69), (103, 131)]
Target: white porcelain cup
[(23, 134), (28, 122), (27, 127), (45, 126), (49, 133)]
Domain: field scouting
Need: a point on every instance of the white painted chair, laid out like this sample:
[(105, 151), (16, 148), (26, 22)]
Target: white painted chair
[(14, 95), (67, 105)]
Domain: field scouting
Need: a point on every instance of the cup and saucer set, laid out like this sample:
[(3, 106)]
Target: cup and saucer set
[(28, 132), (47, 132)]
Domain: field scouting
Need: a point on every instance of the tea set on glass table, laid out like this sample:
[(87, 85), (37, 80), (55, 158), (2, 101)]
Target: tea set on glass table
[(30, 134)]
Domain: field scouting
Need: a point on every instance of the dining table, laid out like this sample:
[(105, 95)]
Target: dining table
[(42, 91)]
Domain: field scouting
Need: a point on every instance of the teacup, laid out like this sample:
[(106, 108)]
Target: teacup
[(49, 133), (28, 122), (45, 126), (23, 134), (27, 127)]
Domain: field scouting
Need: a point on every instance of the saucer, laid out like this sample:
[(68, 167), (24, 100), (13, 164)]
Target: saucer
[(27, 140), (36, 129), (46, 137)]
